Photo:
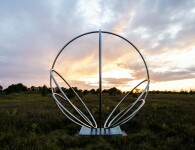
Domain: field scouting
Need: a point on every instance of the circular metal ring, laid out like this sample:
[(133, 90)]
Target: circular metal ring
[(118, 119)]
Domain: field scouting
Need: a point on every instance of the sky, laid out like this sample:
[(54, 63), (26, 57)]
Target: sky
[(33, 32)]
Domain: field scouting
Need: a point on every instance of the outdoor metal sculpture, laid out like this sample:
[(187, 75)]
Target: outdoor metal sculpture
[(112, 123)]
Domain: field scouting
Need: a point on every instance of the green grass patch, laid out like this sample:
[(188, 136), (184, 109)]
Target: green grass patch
[(30, 121)]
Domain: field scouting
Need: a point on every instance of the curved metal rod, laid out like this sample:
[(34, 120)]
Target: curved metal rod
[(69, 43), (144, 64), (126, 111), (133, 104), (134, 113), (63, 109), (80, 112), (134, 47), (75, 108), (130, 116), (106, 33), (95, 124), (66, 98), (120, 122), (105, 124)]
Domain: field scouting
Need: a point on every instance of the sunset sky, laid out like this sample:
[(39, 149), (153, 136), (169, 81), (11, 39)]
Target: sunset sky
[(32, 32)]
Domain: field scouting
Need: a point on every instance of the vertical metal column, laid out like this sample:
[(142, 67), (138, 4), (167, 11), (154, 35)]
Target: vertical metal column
[(100, 80)]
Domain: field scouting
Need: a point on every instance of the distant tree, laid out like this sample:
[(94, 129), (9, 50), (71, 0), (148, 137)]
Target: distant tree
[(125, 92), (56, 90), (15, 88), (157, 92), (32, 88), (63, 89), (40, 88), (105, 91), (70, 94), (92, 91), (97, 91), (1, 88), (183, 91), (78, 91), (114, 91), (44, 90), (85, 92), (49, 90), (192, 91)]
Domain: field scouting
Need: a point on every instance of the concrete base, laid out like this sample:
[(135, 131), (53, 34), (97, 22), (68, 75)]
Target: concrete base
[(85, 131)]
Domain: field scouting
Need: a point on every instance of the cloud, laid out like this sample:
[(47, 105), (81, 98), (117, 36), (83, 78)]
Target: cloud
[(116, 81), (172, 75), (33, 32)]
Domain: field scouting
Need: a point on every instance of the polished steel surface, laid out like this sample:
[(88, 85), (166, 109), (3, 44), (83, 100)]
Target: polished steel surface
[(112, 122)]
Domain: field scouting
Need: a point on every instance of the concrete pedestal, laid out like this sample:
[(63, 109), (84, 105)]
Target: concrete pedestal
[(85, 131)]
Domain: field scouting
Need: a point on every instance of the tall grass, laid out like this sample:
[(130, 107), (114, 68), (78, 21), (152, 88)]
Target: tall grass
[(30, 121)]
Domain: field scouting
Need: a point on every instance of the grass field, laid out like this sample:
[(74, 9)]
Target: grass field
[(30, 121)]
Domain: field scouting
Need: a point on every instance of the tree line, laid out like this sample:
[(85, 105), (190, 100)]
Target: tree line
[(44, 90)]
